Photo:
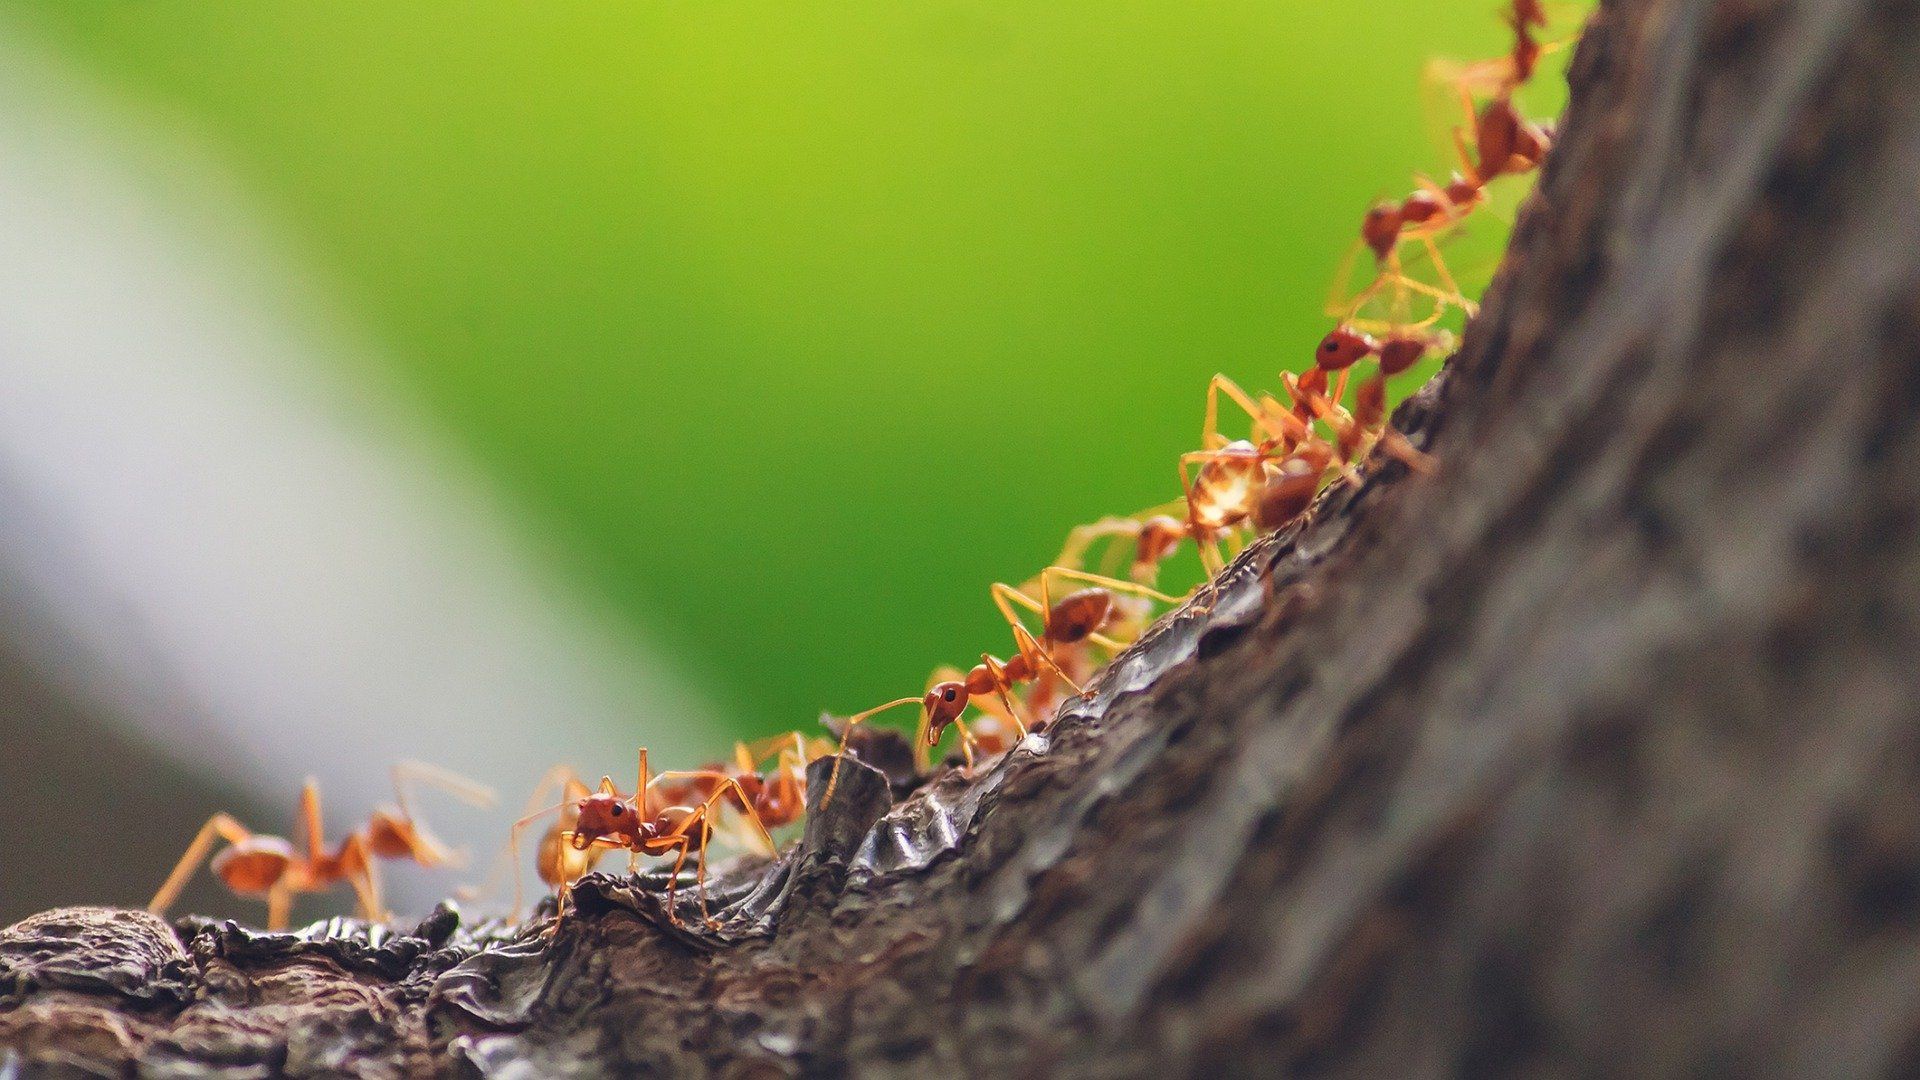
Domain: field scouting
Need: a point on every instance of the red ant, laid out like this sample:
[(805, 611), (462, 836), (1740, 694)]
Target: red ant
[(1346, 346), (1505, 144), (1077, 617), (777, 795), (1269, 483), (255, 864), (1266, 483), (605, 819)]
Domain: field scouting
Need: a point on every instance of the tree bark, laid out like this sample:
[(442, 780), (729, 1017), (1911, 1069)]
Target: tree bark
[(1597, 750)]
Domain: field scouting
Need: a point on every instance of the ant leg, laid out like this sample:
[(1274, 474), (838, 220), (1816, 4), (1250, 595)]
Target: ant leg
[(968, 744), (1211, 560), (1337, 299), (1030, 648), (747, 759), (1440, 270), (1401, 282), (752, 815), (573, 786), (408, 773), (1080, 538), (1352, 308), (559, 777), (220, 826), (279, 906), (700, 872), (310, 818), (1000, 689), (422, 846), (356, 862), (1339, 388), (1273, 426), (673, 880), (1131, 588), (833, 778), (1192, 456), (1004, 597)]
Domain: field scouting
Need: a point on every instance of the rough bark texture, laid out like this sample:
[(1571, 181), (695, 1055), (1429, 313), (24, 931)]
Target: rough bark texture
[(1598, 750)]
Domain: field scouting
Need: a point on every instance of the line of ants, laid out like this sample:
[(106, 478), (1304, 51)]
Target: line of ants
[(1232, 489)]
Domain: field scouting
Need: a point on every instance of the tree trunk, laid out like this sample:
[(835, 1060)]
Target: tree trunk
[(1597, 750)]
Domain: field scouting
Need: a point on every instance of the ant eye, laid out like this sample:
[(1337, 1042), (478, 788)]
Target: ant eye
[(618, 809), (950, 694)]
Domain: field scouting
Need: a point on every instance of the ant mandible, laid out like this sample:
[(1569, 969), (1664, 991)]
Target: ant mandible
[(258, 865)]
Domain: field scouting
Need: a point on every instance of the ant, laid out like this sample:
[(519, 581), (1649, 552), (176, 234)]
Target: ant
[(1345, 346), (255, 864), (777, 795), (1077, 617), (606, 820), (1268, 482), (1505, 144)]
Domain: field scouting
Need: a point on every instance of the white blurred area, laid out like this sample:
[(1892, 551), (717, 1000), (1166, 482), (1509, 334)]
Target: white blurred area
[(255, 568)]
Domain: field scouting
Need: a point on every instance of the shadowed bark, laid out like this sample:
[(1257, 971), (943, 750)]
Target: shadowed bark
[(1597, 750)]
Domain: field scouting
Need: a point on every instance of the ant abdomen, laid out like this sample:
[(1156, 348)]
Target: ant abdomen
[(255, 866), (1400, 353), (1420, 207), (1159, 535), (1289, 490), (1079, 614), (673, 821)]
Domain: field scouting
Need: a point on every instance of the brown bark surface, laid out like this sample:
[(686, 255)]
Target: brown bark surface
[(1596, 751)]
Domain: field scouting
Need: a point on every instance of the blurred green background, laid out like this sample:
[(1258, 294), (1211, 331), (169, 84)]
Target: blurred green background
[(788, 327)]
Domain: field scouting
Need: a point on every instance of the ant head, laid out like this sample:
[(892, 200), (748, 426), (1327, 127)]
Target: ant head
[(604, 815), (944, 703), (1342, 348)]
